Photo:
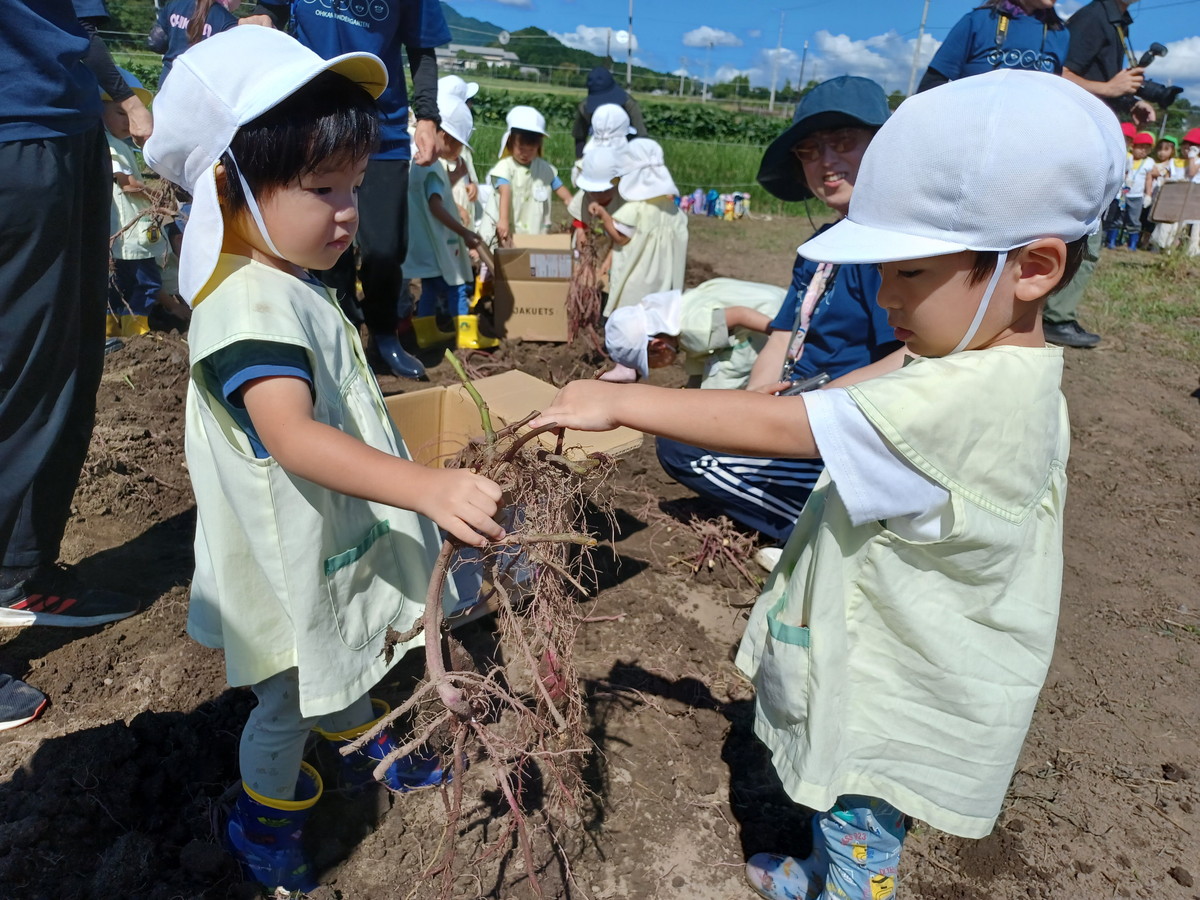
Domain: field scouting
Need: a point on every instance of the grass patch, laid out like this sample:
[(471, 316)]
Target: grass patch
[(1156, 291)]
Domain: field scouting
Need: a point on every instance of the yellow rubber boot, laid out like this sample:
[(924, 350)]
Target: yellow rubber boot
[(132, 326), (112, 325), (469, 337), (427, 332)]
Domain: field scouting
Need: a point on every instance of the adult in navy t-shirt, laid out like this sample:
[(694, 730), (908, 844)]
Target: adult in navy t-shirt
[(385, 28), (170, 36)]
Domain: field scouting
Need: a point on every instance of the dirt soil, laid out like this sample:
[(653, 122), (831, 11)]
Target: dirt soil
[(117, 790)]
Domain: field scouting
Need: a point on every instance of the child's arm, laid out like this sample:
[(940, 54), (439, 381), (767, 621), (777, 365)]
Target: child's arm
[(458, 500), (889, 363), (610, 227), (764, 375), (564, 194), (776, 427), (745, 317), (503, 228), (438, 210)]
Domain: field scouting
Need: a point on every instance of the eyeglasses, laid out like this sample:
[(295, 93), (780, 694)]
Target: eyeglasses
[(841, 141)]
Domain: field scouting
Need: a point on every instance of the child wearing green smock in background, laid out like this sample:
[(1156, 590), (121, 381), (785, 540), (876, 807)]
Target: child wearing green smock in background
[(899, 646), (523, 182), (315, 531), (649, 232)]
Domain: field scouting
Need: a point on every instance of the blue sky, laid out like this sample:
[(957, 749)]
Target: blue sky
[(873, 38)]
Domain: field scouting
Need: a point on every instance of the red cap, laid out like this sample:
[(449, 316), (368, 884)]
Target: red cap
[(1143, 137), (1193, 136), (1128, 129)]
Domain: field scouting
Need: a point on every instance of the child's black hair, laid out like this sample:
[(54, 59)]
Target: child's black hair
[(331, 121), (530, 137), (985, 265)]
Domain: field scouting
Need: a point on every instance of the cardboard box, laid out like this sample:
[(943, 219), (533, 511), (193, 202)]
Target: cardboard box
[(1177, 201), (437, 422), (530, 288)]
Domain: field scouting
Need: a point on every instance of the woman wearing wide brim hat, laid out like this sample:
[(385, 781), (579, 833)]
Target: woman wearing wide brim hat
[(603, 88), (829, 322)]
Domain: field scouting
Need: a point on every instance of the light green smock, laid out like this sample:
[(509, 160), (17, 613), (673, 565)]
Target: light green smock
[(713, 355), (909, 670), (656, 255), (289, 573)]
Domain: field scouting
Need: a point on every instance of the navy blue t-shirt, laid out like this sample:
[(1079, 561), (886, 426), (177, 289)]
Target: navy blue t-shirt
[(848, 328), (242, 361), (48, 91), (170, 37), (971, 49), (381, 27)]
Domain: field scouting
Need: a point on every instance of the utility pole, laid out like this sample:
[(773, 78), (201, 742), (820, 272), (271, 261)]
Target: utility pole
[(608, 47), (775, 64), (803, 60), (682, 73), (707, 60), (629, 50), (912, 76)]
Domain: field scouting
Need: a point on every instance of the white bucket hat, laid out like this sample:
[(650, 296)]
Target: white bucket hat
[(951, 170), (601, 167), (523, 118), (610, 127), (455, 86), (457, 120), (630, 328), (644, 172), (216, 87)]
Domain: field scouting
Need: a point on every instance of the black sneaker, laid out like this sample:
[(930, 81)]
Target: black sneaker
[(1069, 334), (57, 601), (19, 703)]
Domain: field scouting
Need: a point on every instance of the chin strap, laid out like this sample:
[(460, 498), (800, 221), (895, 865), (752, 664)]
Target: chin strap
[(983, 303), (252, 205)]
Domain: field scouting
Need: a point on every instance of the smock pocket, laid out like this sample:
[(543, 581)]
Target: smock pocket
[(782, 677), (361, 584)]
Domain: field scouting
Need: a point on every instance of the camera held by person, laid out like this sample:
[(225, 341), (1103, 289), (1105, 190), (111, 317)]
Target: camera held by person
[(1154, 91)]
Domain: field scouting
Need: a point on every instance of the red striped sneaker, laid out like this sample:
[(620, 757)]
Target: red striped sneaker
[(19, 703), (56, 603)]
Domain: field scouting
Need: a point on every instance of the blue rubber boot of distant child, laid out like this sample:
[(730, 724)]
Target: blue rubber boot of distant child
[(408, 773), (401, 363), (779, 877), (266, 835), (862, 837)]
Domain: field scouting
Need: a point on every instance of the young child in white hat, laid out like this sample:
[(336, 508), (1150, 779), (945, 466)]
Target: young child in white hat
[(900, 644), (522, 181), (649, 233), (464, 182), (439, 244), (315, 532), (597, 182), (610, 128), (718, 327)]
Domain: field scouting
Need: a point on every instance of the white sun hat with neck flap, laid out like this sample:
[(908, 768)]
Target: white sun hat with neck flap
[(215, 88), (521, 118), (952, 170), (644, 173)]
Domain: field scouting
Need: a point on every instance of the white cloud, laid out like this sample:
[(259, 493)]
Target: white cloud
[(754, 33), (704, 35), (885, 58), (595, 39), (682, 71)]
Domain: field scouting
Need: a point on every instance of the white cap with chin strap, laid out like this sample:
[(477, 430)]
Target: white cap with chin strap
[(938, 177)]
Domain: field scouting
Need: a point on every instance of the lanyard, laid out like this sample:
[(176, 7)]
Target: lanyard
[(1128, 49), (819, 286)]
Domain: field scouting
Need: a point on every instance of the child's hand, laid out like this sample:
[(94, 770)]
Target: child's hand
[(597, 210), (464, 504), (503, 233), (472, 191), (472, 240), (582, 405)]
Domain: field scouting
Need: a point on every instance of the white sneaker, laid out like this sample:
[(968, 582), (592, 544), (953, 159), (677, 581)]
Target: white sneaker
[(768, 557)]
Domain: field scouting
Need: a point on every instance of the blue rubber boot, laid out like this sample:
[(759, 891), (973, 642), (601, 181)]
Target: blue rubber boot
[(401, 363), (408, 773), (1133, 240), (862, 837), (265, 835), (779, 877), (1110, 238)]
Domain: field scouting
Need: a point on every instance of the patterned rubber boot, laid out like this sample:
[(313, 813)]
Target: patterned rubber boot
[(265, 835), (408, 773), (428, 333), (862, 837), (779, 877), (469, 337)]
